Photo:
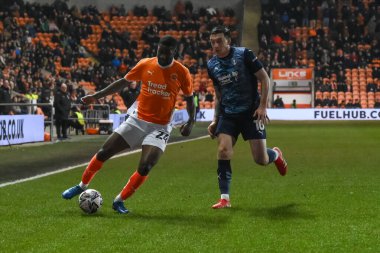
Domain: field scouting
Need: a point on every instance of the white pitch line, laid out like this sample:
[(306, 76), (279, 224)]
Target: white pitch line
[(83, 164)]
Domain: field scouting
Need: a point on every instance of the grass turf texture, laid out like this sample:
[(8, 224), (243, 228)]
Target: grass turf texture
[(329, 201)]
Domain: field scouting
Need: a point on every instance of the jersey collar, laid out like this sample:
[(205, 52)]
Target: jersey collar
[(228, 55), (165, 67)]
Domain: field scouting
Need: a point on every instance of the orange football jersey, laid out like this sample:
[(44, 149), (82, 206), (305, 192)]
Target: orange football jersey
[(159, 88)]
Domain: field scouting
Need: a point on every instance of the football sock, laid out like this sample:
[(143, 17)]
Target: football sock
[(133, 184), (91, 170), (273, 155), (224, 176), (83, 186), (225, 196)]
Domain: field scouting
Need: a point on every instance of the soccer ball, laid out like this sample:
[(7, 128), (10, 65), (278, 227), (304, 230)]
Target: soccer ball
[(90, 201)]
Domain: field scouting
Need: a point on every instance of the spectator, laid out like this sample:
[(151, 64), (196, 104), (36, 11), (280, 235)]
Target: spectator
[(342, 104), (325, 86), (5, 97), (318, 101), (278, 103), (76, 120), (377, 103), (333, 102), (19, 109), (209, 96), (202, 95), (62, 107), (32, 97), (341, 86), (74, 98), (371, 87), (356, 104), (46, 97), (294, 104), (80, 92), (349, 104), (325, 102)]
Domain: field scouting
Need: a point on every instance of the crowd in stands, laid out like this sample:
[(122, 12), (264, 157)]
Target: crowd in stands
[(338, 38), (45, 45)]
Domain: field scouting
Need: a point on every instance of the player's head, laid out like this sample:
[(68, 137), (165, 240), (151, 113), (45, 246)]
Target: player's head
[(166, 50), (220, 39)]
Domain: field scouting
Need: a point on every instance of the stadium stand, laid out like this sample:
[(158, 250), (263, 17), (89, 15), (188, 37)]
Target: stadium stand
[(339, 39), (44, 45)]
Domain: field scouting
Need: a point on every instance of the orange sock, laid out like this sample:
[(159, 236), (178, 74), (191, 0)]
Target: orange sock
[(133, 184), (91, 170)]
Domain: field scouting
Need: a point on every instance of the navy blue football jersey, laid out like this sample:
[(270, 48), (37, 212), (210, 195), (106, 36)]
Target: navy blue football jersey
[(234, 77)]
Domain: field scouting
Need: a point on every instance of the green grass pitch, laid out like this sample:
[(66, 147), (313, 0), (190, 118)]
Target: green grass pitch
[(328, 202)]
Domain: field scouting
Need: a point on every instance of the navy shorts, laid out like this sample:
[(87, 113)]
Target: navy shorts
[(249, 128)]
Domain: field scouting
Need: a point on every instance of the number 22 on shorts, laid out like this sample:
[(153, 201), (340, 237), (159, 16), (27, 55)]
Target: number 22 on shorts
[(162, 136)]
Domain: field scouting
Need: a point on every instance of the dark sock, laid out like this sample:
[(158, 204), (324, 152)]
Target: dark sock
[(224, 176), (272, 155)]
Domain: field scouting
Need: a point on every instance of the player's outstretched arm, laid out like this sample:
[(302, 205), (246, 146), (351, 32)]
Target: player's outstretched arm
[(110, 89), (190, 107)]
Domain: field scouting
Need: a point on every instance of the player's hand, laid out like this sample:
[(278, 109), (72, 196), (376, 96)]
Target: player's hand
[(261, 115), (186, 128), (211, 129), (88, 99)]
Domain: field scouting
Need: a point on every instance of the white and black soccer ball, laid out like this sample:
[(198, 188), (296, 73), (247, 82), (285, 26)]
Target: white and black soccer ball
[(90, 201)]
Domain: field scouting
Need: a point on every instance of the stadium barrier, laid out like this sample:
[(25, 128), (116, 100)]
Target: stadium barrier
[(93, 115), (26, 128), (26, 124), (324, 114), (18, 129), (180, 116)]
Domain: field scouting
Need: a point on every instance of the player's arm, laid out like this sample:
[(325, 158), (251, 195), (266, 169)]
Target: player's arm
[(256, 67), (190, 108), (217, 105), (212, 127), (261, 111), (110, 89)]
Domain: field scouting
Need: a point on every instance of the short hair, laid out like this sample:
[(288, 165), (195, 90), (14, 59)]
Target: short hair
[(168, 41), (221, 29)]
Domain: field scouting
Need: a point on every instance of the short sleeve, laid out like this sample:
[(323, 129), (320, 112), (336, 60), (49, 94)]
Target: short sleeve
[(135, 73), (186, 82), (251, 61)]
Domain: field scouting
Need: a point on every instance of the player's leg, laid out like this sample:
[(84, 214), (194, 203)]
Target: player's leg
[(113, 145), (149, 157), (261, 155), (125, 136), (264, 156), (224, 171), (227, 132), (255, 133), (153, 146)]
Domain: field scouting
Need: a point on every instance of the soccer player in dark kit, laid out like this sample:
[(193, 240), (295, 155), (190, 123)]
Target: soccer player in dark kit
[(239, 108)]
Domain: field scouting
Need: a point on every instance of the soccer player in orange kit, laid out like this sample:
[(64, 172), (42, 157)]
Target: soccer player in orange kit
[(148, 126)]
